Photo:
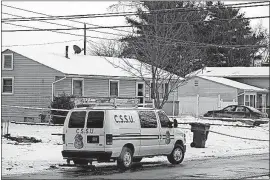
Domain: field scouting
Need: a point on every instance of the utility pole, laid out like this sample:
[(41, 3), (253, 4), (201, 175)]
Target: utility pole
[(84, 39)]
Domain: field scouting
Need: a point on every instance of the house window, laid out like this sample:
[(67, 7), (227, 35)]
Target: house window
[(77, 87), (7, 85), (250, 100), (164, 90), (7, 62), (151, 91), (114, 88)]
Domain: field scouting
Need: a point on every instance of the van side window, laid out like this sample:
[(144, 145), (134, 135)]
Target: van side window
[(95, 119), (164, 120), (148, 119), (77, 119)]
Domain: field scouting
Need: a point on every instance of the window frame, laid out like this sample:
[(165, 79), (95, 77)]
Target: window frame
[(3, 61), (162, 89), (72, 86), (162, 112), (118, 87), (85, 119), (8, 93), (87, 116), (156, 124)]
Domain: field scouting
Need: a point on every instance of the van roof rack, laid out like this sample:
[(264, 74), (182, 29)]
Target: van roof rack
[(114, 102)]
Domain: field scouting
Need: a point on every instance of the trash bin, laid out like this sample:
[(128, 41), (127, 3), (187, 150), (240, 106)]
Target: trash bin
[(200, 134)]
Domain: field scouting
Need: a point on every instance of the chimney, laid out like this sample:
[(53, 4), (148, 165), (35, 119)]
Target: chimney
[(67, 52)]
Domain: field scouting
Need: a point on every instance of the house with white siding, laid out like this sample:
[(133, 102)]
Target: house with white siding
[(213, 88), (32, 78)]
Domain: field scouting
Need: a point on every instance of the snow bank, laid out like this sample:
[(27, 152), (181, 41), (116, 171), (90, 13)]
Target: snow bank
[(17, 159)]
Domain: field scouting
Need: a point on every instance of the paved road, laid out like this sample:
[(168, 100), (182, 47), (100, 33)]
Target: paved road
[(231, 167)]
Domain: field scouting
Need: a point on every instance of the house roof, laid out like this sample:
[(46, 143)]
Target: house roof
[(234, 84), (233, 72), (85, 65)]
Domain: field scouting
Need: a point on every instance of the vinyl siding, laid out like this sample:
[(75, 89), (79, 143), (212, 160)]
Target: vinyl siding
[(63, 86), (207, 88), (97, 87), (32, 86), (127, 88)]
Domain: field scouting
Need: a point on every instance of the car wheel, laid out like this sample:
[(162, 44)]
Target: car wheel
[(177, 155), (256, 124), (137, 159), (80, 162), (124, 161)]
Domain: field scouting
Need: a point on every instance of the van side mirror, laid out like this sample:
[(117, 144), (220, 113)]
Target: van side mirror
[(175, 123), (170, 124)]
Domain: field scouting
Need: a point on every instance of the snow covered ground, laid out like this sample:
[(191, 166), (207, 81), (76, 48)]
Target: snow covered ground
[(27, 158)]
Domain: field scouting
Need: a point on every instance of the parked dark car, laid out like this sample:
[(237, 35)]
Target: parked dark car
[(239, 111)]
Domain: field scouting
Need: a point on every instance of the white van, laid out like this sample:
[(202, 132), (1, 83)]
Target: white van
[(126, 135)]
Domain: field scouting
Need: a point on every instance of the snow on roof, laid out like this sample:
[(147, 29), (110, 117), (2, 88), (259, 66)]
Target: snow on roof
[(234, 71), (79, 64), (232, 83)]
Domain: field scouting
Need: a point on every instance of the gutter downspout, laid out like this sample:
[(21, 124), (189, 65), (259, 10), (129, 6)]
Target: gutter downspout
[(54, 83)]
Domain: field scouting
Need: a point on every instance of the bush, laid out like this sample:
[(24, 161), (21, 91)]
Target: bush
[(61, 102)]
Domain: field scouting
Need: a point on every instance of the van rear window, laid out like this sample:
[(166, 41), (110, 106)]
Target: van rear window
[(77, 119), (95, 119)]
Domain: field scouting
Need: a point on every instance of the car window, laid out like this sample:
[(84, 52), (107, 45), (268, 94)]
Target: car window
[(254, 109), (77, 119), (230, 108), (148, 119), (240, 109), (95, 119), (247, 110), (164, 120)]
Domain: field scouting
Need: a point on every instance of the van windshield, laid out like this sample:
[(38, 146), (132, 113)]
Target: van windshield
[(77, 119), (95, 119)]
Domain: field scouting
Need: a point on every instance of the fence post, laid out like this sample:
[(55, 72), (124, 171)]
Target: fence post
[(173, 104), (8, 126), (1, 128), (197, 105)]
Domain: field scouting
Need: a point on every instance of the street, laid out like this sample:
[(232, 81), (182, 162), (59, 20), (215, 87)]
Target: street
[(238, 167)]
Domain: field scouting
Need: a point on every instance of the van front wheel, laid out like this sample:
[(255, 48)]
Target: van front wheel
[(177, 155), (125, 159)]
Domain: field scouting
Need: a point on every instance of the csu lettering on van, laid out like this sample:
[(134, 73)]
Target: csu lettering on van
[(123, 119), (84, 131)]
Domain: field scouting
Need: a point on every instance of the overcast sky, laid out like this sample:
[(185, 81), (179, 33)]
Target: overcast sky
[(71, 8)]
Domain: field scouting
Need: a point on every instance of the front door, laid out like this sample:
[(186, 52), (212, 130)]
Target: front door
[(149, 133), (140, 92), (166, 141)]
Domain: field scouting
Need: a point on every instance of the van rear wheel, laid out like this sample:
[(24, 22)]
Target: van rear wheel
[(177, 155), (80, 162), (124, 161)]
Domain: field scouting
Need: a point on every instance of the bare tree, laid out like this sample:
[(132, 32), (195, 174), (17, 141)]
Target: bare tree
[(109, 48), (156, 47)]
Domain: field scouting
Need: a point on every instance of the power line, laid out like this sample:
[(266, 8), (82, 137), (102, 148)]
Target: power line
[(39, 29), (125, 26), (42, 43), (191, 43), (62, 24), (116, 14), (13, 7)]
